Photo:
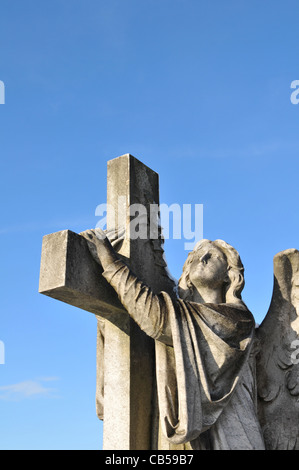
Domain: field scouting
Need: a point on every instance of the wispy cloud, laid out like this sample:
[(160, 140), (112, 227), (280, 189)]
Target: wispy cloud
[(27, 389)]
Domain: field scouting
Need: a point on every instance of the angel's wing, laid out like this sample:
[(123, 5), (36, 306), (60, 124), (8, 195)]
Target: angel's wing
[(278, 359)]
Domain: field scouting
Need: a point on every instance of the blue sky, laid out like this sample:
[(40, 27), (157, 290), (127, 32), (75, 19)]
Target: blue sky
[(200, 92)]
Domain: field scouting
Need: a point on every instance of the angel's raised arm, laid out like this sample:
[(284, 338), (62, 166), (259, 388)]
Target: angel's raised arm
[(148, 309)]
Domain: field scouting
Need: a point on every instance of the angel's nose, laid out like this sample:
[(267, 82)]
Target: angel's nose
[(204, 259)]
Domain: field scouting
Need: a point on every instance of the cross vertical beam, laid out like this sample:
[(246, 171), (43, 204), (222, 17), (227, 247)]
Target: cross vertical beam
[(129, 353)]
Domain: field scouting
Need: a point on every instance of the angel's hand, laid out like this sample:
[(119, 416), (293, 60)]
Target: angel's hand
[(100, 247)]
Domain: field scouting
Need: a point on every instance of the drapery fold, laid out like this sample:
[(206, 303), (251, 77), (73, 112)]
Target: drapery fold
[(198, 375)]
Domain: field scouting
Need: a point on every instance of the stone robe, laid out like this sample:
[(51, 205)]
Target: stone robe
[(204, 365)]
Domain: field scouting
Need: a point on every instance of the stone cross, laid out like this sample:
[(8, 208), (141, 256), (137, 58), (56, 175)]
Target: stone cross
[(125, 355)]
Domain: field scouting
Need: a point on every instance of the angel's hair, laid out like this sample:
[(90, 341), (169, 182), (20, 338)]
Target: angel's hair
[(235, 271)]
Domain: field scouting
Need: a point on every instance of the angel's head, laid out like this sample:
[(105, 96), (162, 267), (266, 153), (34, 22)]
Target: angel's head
[(212, 266)]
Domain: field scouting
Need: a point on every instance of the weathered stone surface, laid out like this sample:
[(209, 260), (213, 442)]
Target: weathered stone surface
[(68, 273), (277, 361), (129, 371)]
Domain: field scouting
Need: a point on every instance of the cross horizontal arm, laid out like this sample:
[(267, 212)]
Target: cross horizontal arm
[(69, 273)]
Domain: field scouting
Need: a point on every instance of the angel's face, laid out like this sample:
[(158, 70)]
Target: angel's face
[(209, 267)]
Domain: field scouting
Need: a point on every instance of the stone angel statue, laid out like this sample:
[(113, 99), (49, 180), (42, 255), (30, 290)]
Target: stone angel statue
[(222, 382)]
